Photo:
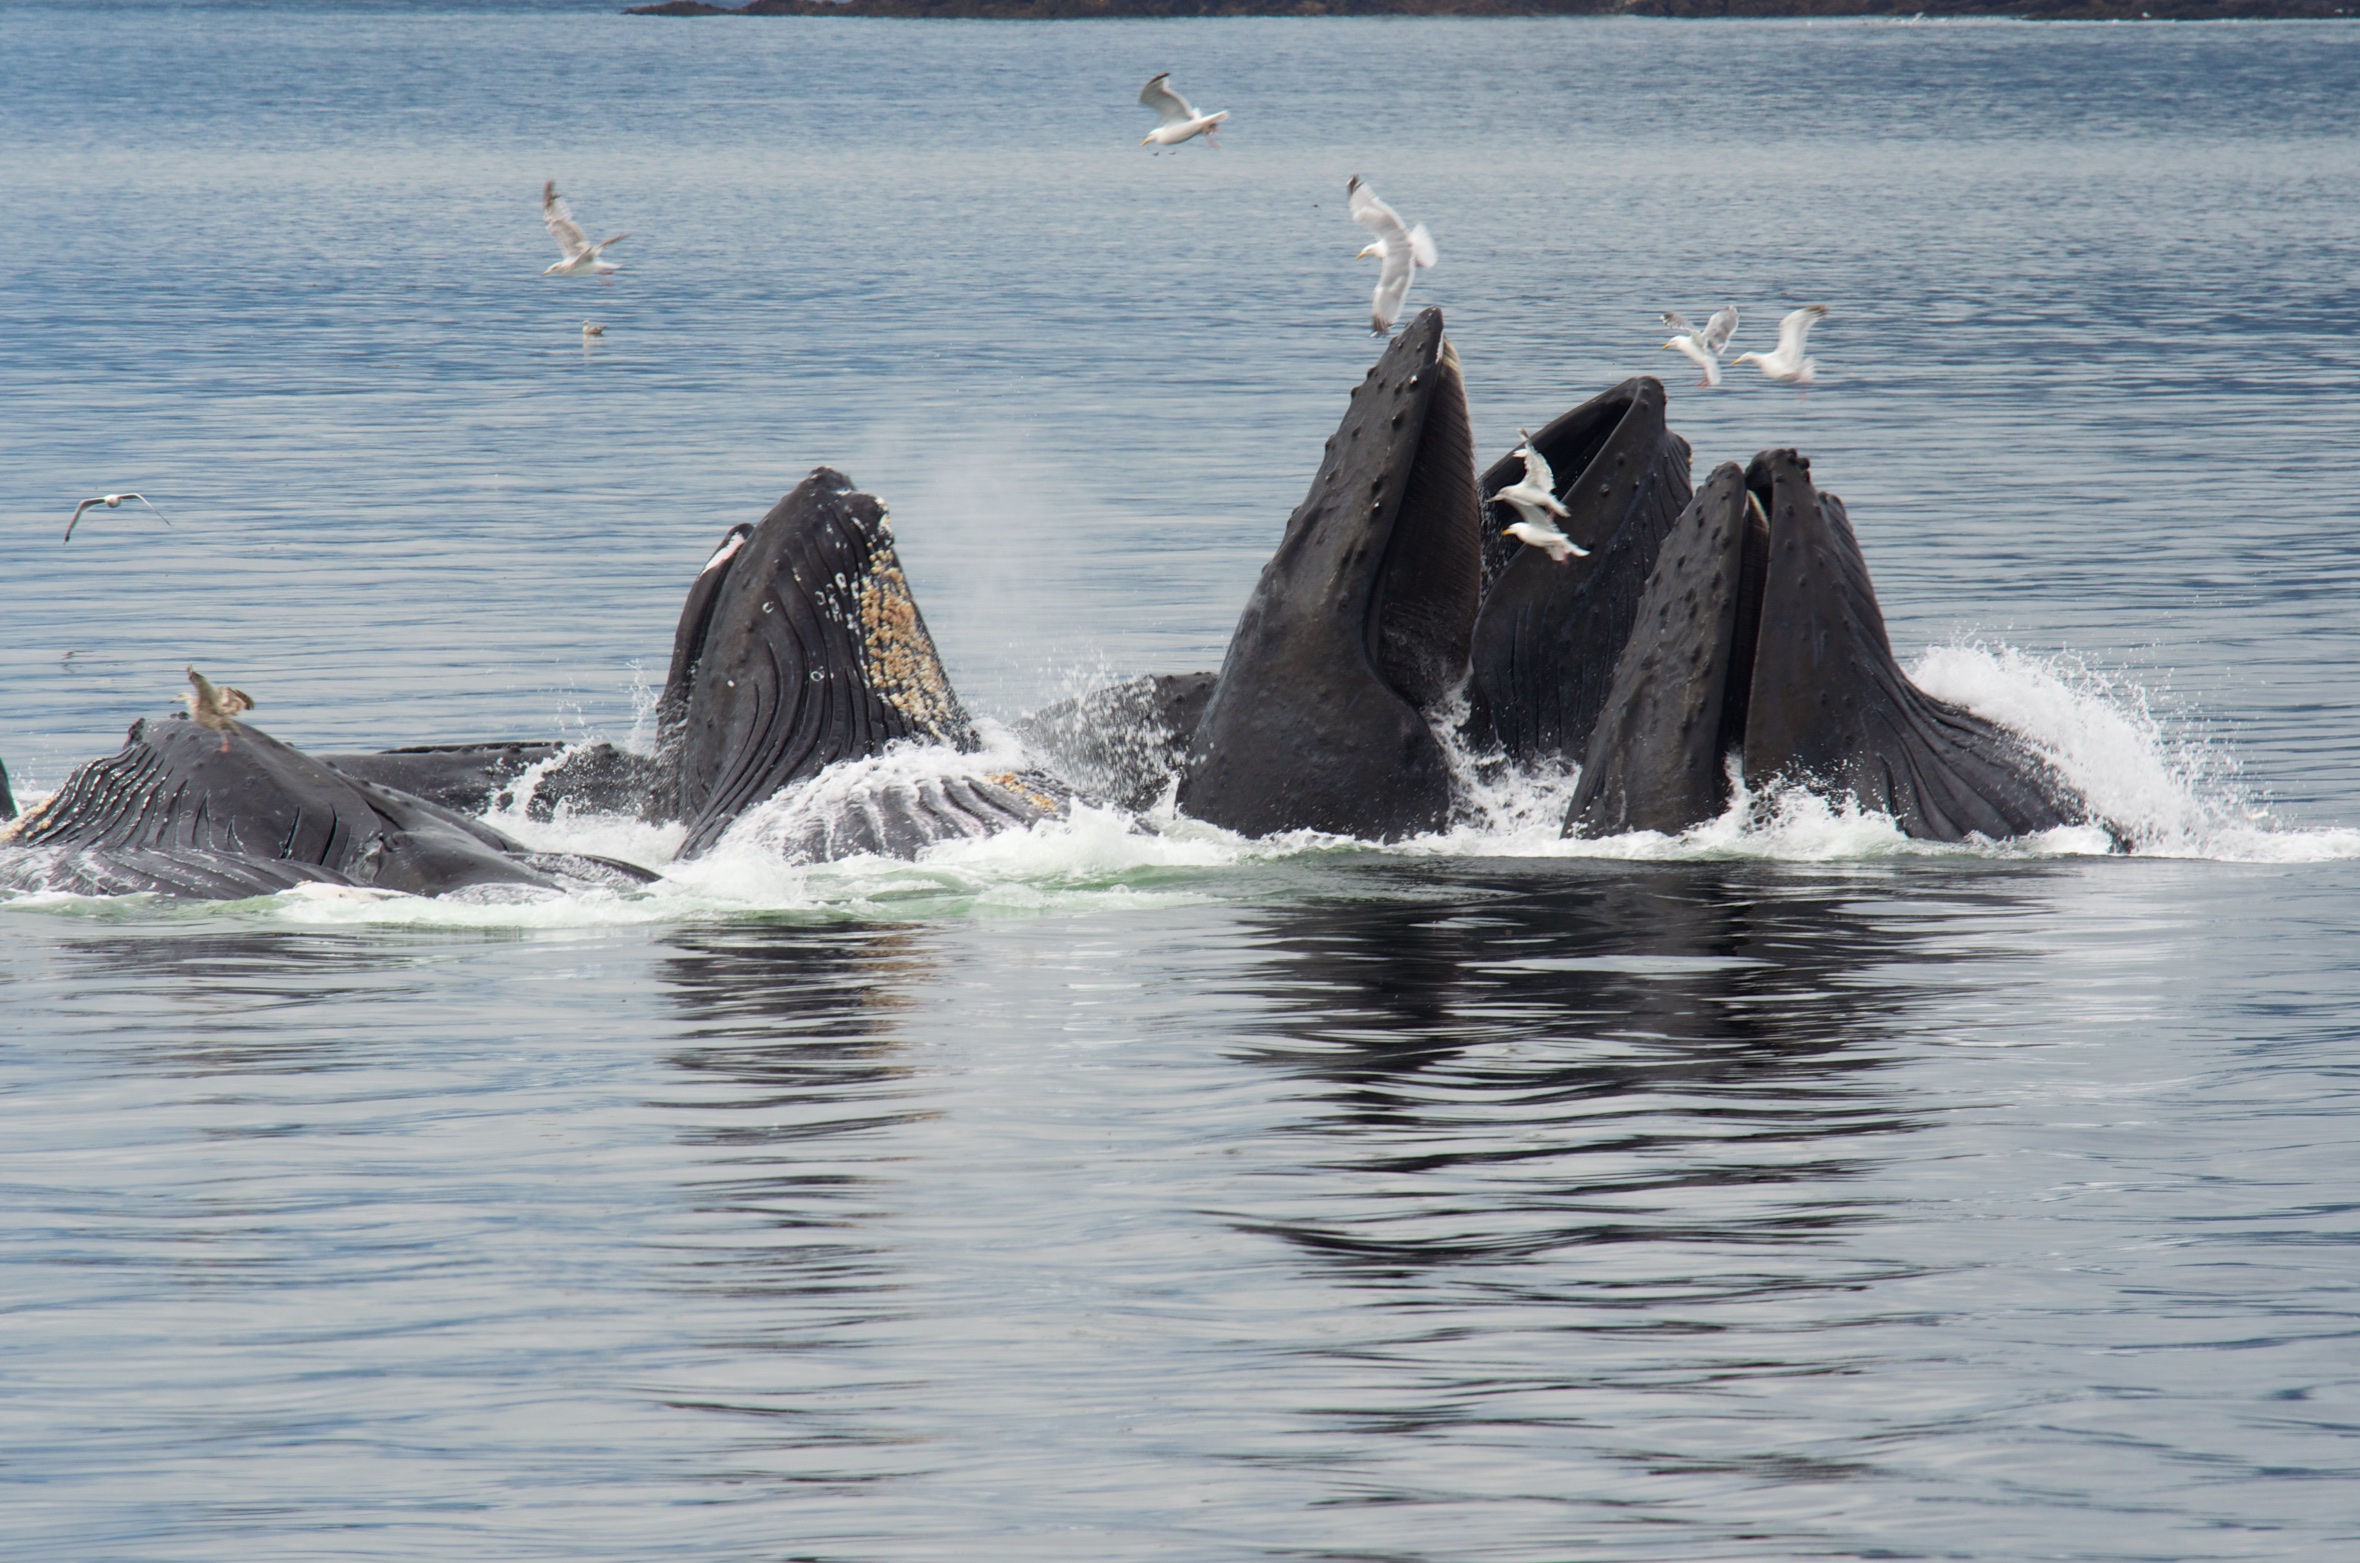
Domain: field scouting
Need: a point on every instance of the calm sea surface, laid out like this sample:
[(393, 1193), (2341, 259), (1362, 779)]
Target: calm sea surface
[(1780, 1193)]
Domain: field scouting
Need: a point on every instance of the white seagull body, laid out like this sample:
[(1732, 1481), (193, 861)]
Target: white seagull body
[(1546, 538), (1405, 252), (1534, 498), (112, 502), (1180, 120), (1787, 365), (582, 258), (1703, 348)]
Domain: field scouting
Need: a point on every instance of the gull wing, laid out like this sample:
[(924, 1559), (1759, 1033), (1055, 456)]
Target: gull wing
[(1536, 470), (76, 518), (1676, 321), (1169, 106), (1795, 327), (1381, 220), (562, 227), (1719, 329)]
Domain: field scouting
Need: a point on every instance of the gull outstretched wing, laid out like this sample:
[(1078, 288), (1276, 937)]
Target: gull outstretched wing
[(1169, 106), (1379, 219), (1795, 327), (560, 220)]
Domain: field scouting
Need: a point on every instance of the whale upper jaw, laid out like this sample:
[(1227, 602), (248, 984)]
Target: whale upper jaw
[(1360, 622)]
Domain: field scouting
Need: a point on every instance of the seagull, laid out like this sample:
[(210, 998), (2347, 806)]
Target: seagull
[(1535, 499), (1787, 365), (1179, 116), (112, 502), (1546, 538), (216, 707), (1703, 348), (1405, 252), (582, 258), (592, 328)]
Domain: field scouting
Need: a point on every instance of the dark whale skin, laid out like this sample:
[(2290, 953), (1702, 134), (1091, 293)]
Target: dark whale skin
[(1655, 760), (1549, 633), (1122, 744), (472, 778), (800, 648), (1360, 619), (811, 651), (1831, 709), (1759, 636), (174, 811)]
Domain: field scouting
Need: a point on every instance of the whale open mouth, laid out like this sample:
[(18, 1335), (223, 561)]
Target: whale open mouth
[(1758, 638), (1359, 622), (1546, 641)]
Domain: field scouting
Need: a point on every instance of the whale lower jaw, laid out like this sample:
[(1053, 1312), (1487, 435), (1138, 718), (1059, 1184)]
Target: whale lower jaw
[(1758, 638)]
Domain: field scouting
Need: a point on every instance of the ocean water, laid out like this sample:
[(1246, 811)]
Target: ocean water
[(1122, 1189)]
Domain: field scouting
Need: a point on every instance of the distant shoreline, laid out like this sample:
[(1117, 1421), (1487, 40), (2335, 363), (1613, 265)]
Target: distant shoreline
[(1102, 10)]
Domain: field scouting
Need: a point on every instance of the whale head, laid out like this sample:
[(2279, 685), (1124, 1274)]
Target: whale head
[(800, 644), (1359, 623)]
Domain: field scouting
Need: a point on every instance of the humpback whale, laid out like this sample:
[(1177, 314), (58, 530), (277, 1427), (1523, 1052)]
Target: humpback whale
[(1758, 637), (1547, 635), (1359, 622), (800, 646), (176, 811)]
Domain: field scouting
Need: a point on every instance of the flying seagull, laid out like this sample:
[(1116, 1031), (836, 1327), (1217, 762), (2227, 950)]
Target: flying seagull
[(1405, 252), (1179, 117), (1787, 365), (1703, 348), (112, 502), (214, 706), (582, 258), (1535, 499)]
